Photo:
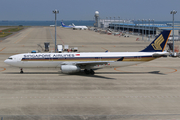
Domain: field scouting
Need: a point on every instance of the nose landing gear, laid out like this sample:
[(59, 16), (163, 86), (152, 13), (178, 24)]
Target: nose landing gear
[(21, 70)]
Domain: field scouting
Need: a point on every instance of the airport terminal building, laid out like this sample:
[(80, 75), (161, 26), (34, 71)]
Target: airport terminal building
[(138, 26)]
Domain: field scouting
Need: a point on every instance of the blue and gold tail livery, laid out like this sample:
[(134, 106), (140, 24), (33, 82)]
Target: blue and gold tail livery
[(159, 43)]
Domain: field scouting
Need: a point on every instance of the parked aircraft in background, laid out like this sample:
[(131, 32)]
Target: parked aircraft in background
[(75, 62), (65, 26), (79, 27)]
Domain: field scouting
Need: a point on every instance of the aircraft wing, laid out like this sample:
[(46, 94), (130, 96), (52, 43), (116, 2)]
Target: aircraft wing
[(87, 63), (93, 63)]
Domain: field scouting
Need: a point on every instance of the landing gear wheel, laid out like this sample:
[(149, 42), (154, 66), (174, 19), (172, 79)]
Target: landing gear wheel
[(89, 71), (92, 72), (21, 70), (86, 71)]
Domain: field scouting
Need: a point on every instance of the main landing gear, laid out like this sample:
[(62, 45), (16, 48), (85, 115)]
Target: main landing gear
[(89, 71), (21, 70)]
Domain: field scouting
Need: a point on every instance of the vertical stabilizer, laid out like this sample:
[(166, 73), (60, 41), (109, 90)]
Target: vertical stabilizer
[(62, 24), (159, 43)]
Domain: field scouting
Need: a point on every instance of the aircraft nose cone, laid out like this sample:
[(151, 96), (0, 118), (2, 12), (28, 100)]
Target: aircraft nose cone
[(6, 61)]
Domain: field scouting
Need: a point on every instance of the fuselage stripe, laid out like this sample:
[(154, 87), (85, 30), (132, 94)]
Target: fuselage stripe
[(128, 58)]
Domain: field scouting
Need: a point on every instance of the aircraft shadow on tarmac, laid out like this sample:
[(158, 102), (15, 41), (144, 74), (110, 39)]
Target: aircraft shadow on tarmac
[(82, 73), (152, 72), (97, 74)]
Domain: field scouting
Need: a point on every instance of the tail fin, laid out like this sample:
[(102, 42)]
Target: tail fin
[(159, 43), (62, 24), (73, 24)]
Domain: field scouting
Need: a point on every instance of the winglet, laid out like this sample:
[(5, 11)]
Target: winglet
[(159, 43)]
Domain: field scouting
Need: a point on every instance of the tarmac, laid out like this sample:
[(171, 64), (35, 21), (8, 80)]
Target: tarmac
[(147, 91)]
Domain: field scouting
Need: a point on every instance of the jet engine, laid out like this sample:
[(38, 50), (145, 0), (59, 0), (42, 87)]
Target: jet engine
[(69, 69)]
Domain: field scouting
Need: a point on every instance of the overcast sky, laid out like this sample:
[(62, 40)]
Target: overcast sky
[(85, 9)]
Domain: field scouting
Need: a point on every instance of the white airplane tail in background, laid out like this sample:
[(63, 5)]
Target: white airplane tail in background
[(73, 25)]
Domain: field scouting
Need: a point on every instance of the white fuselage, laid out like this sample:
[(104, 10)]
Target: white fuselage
[(74, 62), (57, 59), (79, 27)]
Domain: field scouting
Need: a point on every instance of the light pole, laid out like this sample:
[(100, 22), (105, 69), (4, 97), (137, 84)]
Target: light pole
[(114, 24), (145, 26), (153, 27), (106, 20), (55, 12), (149, 29), (128, 26), (110, 21), (133, 25), (119, 23), (173, 12), (142, 30), (139, 27), (123, 26)]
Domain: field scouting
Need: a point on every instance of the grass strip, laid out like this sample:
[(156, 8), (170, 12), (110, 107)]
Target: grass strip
[(14, 29), (4, 34)]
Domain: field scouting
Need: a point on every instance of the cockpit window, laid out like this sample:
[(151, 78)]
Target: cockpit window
[(10, 58)]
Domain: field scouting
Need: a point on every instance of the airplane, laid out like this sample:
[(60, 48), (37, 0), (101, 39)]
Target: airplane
[(90, 61), (79, 27), (65, 26)]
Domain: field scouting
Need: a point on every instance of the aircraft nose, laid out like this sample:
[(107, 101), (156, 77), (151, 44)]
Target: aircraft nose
[(6, 61)]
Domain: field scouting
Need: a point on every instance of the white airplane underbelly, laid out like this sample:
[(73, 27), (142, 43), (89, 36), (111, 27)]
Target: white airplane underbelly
[(54, 64), (34, 64), (124, 63)]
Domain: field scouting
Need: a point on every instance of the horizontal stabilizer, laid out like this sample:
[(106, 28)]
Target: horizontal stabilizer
[(155, 55)]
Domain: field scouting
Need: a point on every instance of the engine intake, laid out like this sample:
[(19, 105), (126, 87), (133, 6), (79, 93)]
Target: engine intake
[(69, 69)]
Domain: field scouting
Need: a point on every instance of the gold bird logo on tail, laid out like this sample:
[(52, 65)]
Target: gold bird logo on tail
[(157, 43)]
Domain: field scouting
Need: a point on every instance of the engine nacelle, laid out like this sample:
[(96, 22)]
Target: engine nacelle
[(69, 69)]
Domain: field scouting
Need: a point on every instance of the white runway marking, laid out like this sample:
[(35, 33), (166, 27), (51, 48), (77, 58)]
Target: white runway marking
[(94, 97)]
